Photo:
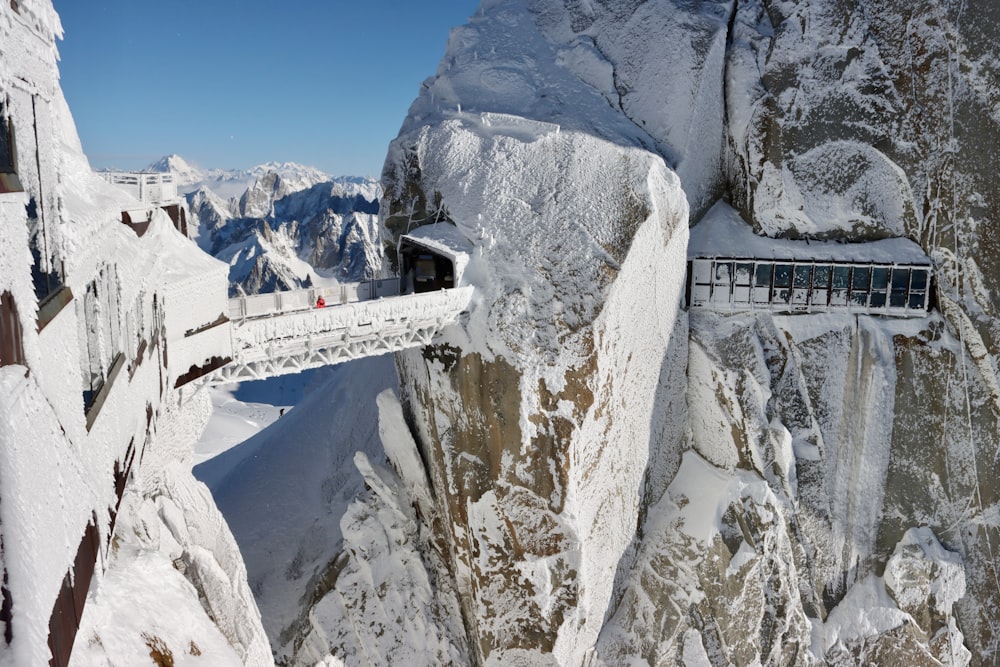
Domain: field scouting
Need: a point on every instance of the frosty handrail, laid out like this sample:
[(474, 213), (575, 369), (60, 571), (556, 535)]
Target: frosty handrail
[(287, 301), (297, 340)]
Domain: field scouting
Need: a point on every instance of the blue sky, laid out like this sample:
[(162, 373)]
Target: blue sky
[(234, 83)]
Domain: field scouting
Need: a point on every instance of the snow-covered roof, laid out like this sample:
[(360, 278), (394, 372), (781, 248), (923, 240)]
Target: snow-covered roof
[(443, 239), (723, 233)]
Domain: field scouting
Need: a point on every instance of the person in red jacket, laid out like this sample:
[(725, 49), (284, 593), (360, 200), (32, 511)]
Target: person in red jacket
[(320, 302)]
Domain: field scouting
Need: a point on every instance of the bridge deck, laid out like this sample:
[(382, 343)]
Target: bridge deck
[(283, 343)]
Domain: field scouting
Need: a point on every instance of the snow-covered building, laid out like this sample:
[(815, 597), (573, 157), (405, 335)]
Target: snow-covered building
[(732, 269), (89, 311), (154, 190), (432, 257), (147, 187)]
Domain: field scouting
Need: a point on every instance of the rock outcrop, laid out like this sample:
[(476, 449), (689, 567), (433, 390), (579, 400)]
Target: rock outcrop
[(610, 490)]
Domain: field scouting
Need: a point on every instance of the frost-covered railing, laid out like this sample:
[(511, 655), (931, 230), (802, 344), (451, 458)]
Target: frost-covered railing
[(274, 303), (295, 341), (147, 187), (794, 286)]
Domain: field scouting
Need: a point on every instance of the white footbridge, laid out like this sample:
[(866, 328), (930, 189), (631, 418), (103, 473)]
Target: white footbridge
[(284, 332), (266, 335)]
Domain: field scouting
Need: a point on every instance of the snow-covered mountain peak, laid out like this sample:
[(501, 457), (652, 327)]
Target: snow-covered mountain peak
[(184, 172), (233, 183), (290, 171)]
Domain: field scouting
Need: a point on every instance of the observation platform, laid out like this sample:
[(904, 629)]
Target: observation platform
[(730, 269)]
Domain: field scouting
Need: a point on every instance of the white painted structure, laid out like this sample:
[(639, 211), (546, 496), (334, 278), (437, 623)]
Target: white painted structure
[(153, 188), (283, 342), (275, 303), (284, 332)]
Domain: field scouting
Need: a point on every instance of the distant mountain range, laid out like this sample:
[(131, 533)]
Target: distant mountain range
[(229, 183), (281, 225)]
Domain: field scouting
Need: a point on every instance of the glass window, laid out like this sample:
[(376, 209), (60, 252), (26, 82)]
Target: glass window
[(900, 279), (7, 158), (821, 276), (880, 277), (917, 300), (723, 273), (744, 272), (702, 270), (762, 277), (9, 182), (859, 298), (877, 299), (861, 278), (841, 277), (918, 281), (700, 294), (782, 275), (803, 275)]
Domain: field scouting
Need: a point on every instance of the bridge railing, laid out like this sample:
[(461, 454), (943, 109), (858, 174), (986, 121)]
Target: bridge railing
[(278, 303)]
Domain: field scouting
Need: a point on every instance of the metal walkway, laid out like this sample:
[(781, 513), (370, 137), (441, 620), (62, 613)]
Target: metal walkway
[(290, 335)]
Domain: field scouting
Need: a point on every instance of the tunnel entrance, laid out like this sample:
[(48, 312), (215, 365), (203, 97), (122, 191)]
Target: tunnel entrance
[(430, 263)]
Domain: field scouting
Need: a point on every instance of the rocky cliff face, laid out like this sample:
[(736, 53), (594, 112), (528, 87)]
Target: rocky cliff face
[(863, 123), (540, 475), (615, 481)]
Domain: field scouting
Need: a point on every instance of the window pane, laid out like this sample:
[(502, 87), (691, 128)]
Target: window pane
[(820, 297), (841, 276), (860, 281), (919, 279), (859, 298), (782, 275), (702, 270), (763, 275), (880, 277), (6, 143), (803, 273), (897, 299), (877, 300), (744, 272), (700, 294), (821, 276), (723, 273), (917, 300), (900, 279)]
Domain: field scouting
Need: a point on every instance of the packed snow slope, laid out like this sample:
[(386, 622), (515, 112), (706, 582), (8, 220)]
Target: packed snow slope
[(813, 489), (321, 522)]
